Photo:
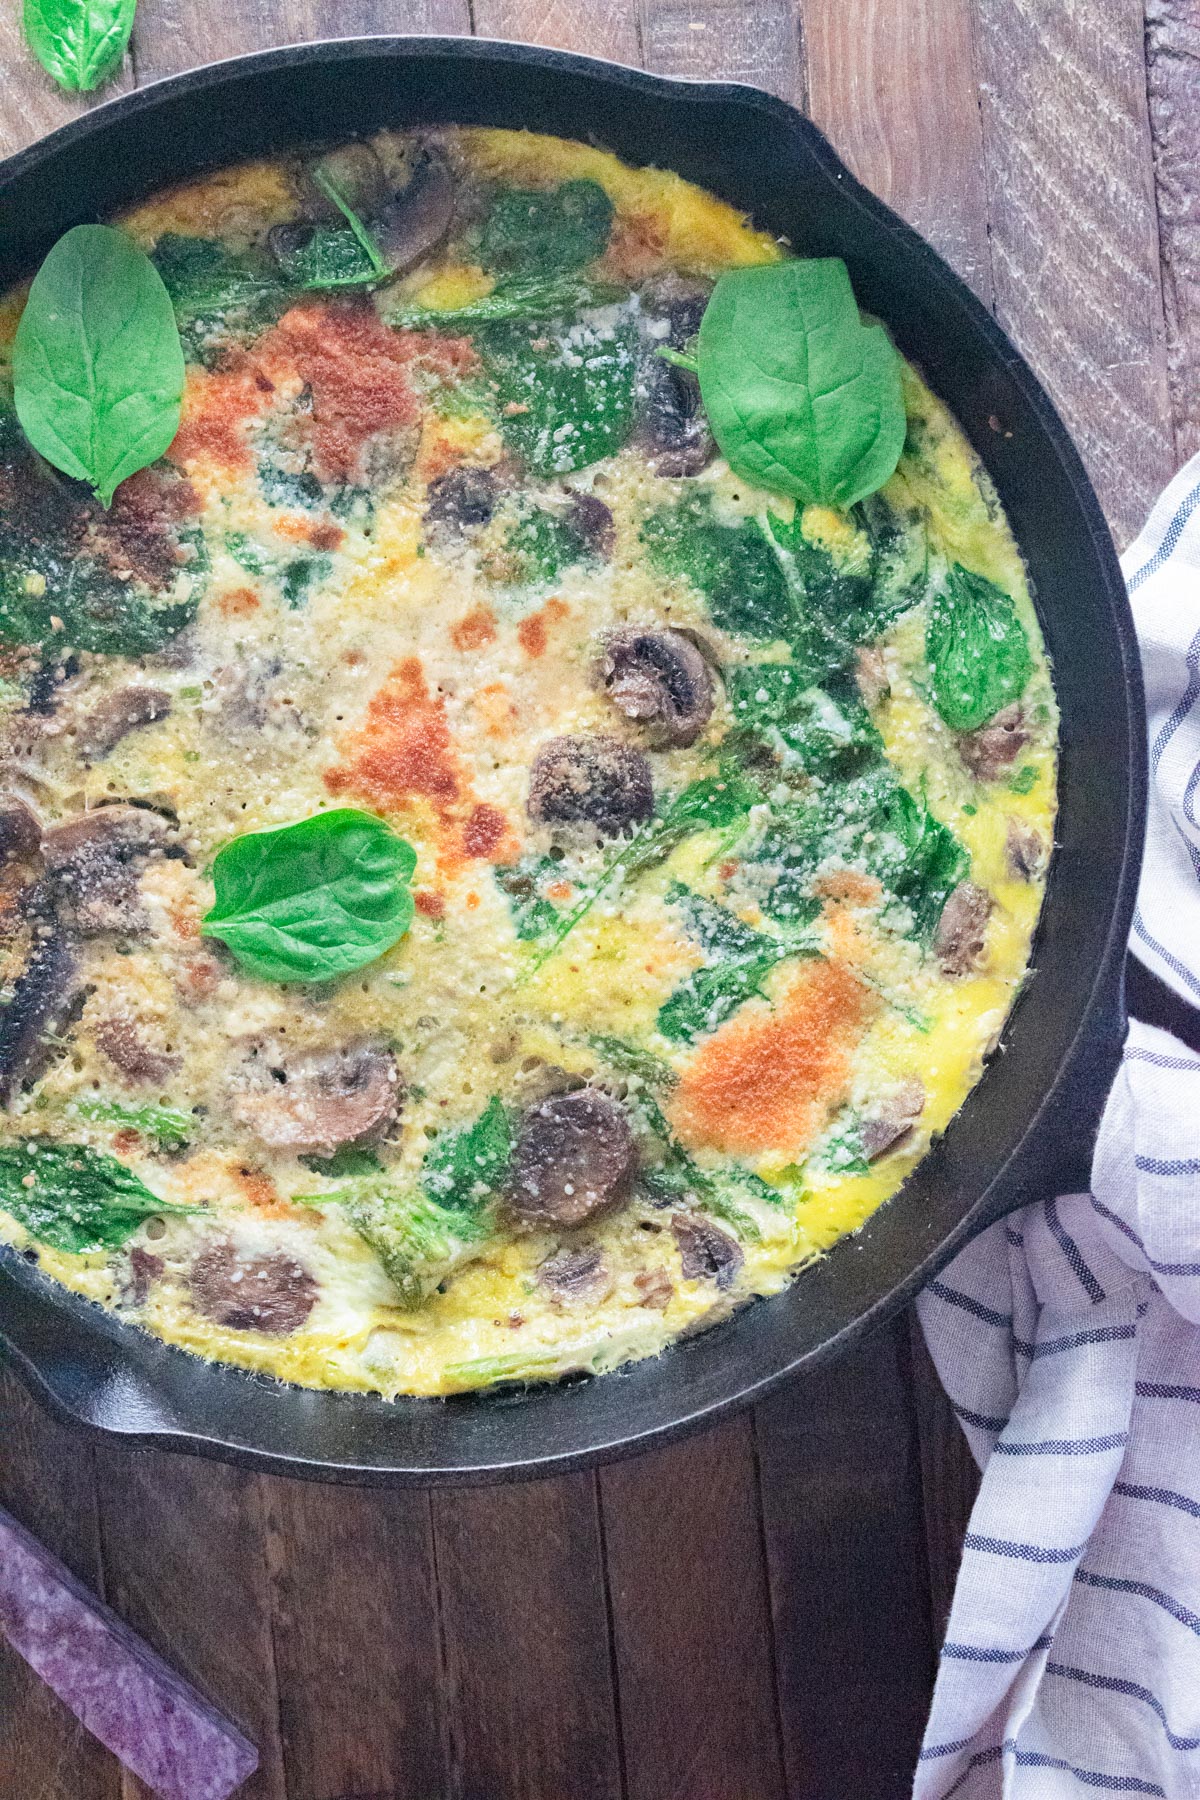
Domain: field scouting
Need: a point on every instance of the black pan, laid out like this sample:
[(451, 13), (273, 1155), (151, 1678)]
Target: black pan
[(1027, 1129)]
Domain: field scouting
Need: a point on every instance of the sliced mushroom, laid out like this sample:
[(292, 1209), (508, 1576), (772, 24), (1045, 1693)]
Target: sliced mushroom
[(655, 1288), (660, 680), (41, 999), (575, 1156), (576, 1277), (316, 1103), (893, 1118), (20, 831), (126, 1047), (144, 1269), (707, 1253), (592, 521), (357, 174), (463, 497), (273, 1293), (95, 861), (962, 929), (1024, 850), (673, 432), (991, 751), (597, 781), (417, 218), (114, 717)]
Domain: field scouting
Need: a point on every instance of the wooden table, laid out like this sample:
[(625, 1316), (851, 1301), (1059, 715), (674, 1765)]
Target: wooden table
[(754, 1613)]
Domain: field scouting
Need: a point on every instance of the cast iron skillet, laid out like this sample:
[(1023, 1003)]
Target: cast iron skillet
[(1027, 1129)]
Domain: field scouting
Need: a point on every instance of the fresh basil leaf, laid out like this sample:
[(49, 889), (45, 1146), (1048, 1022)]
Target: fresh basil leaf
[(313, 900), (98, 368), (466, 1166), (977, 650), (523, 297), (566, 394), (733, 566), (802, 397), (73, 1198), (78, 42), (549, 228)]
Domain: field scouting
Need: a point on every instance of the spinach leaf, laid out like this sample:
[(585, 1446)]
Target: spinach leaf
[(538, 547), (869, 820), (977, 650), (517, 297), (98, 368), (733, 566), (301, 574), (742, 960), (802, 397), (630, 1059), (548, 228), (313, 900), (217, 294), (78, 42), (566, 395), (329, 256), (466, 1166), (843, 1151), (679, 1177), (533, 915), (837, 606), (75, 1199), (824, 730), (168, 1127), (347, 1163), (417, 1241)]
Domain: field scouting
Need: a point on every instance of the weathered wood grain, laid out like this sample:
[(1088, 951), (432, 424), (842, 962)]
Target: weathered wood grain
[(949, 1480), (527, 1686), (178, 34), (31, 104), (1173, 85), (183, 1547), (691, 1624), (592, 27), (893, 88), (47, 1480), (1074, 244), (849, 1581), (356, 1644), (725, 40)]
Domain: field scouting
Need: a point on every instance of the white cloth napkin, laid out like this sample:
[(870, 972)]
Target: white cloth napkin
[(1068, 1340)]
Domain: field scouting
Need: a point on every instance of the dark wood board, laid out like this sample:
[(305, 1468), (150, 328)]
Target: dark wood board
[(754, 1613)]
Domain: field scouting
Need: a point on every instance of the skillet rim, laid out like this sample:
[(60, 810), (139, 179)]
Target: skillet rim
[(116, 1400)]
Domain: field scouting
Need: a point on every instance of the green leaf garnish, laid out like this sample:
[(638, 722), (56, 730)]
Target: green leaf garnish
[(79, 42), (314, 900), (977, 650), (98, 367), (73, 1198)]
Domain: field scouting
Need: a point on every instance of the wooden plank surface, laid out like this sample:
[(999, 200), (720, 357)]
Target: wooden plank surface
[(691, 1622), (1173, 85), (726, 40), (1073, 230), (178, 34), (591, 27)]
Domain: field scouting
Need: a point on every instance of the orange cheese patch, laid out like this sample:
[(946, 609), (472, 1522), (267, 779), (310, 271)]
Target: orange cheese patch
[(768, 1079)]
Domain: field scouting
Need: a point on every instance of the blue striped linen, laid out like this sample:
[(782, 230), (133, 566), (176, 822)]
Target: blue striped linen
[(1068, 1340)]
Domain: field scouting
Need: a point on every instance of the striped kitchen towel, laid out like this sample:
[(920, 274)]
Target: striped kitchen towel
[(1068, 1340)]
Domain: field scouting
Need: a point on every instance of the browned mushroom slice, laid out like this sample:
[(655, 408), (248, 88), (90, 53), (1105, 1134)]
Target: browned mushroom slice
[(707, 1253), (962, 929), (673, 432), (576, 1277), (41, 999), (417, 218), (114, 717), (144, 1269), (357, 174), (1024, 850), (991, 751), (20, 831), (891, 1121), (126, 1047), (316, 1103), (273, 1293), (655, 1288), (590, 519), (95, 861), (460, 498), (595, 781), (575, 1155), (659, 679)]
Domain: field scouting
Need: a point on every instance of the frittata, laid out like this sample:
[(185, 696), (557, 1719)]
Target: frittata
[(506, 855)]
